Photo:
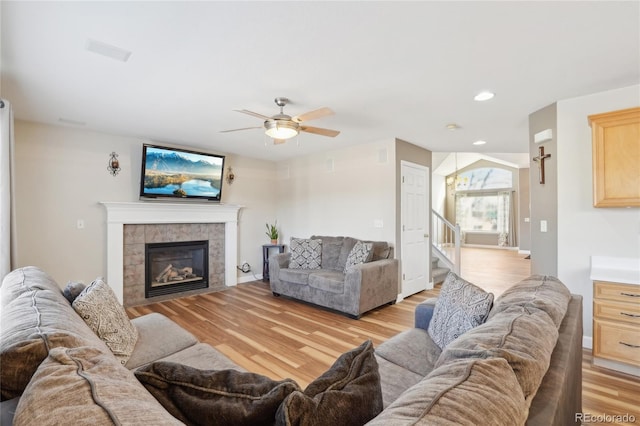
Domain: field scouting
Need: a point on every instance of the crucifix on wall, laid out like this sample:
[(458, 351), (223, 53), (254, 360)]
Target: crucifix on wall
[(540, 160)]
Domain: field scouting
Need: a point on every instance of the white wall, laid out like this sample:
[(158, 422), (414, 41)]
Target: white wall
[(583, 230), (314, 198), (61, 176), (438, 193)]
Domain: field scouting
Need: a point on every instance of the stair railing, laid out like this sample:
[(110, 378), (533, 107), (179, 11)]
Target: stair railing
[(446, 241)]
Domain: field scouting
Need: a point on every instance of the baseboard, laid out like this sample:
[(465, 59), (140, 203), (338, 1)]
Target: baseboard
[(485, 246), (618, 366), (524, 251), (587, 342), (249, 278)]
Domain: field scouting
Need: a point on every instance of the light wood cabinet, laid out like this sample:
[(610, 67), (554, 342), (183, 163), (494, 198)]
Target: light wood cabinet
[(616, 158), (616, 323)]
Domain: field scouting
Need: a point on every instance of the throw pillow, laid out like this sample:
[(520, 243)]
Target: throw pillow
[(34, 318), (460, 307), (468, 391), (305, 253), (210, 397), (349, 393), (100, 309), (85, 386), (360, 253), (73, 290)]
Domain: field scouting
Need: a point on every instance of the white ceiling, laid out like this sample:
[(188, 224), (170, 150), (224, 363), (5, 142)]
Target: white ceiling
[(388, 69)]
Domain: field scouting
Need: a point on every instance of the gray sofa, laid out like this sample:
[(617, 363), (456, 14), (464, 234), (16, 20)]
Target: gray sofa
[(56, 371), (523, 365), (43, 341), (354, 292)]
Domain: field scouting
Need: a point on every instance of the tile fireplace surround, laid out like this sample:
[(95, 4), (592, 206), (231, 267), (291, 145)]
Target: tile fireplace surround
[(148, 213)]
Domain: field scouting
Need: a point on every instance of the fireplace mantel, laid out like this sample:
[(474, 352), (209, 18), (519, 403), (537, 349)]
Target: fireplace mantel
[(121, 213)]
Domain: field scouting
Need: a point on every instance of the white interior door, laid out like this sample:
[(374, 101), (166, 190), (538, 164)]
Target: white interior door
[(416, 262)]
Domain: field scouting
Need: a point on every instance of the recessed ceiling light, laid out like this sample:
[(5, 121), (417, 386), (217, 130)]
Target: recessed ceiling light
[(108, 50), (452, 126), (484, 96), (479, 142)]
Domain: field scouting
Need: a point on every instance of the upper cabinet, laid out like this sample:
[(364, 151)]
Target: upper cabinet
[(616, 158)]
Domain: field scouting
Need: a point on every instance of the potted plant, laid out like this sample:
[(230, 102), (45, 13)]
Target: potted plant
[(272, 232)]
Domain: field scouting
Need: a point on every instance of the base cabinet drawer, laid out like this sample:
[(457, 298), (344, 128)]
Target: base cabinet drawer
[(604, 290), (617, 342), (616, 311)]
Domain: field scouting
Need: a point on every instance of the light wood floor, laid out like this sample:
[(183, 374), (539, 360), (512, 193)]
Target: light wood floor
[(282, 338), (494, 270)]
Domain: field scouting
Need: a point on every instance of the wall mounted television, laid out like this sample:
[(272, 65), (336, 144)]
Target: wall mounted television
[(180, 173)]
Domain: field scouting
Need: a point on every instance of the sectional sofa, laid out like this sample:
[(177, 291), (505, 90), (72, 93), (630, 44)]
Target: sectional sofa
[(523, 365)]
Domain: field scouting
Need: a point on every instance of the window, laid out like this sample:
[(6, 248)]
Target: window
[(484, 178), (486, 212), (483, 196)]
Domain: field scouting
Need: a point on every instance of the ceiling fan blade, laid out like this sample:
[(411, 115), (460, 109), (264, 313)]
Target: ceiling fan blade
[(244, 128), (279, 141), (312, 115), (255, 114), (320, 131)]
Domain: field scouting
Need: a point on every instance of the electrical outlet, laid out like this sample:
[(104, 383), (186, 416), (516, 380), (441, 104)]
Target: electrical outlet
[(80, 224), (543, 226)]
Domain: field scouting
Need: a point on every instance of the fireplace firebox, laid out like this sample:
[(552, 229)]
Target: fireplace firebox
[(176, 267)]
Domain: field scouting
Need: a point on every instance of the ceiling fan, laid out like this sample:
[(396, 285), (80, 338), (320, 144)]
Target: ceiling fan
[(281, 126)]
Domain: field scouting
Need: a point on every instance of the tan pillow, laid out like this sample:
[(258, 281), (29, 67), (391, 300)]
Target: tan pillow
[(100, 309), (510, 335), (83, 386), (465, 392), (34, 318), (541, 292)]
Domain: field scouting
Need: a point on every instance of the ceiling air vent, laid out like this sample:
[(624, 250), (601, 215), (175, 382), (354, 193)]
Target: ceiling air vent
[(108, 50)]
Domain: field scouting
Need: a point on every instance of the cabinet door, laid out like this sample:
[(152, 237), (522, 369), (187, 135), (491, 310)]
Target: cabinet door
[(617, 342), (616, 158)]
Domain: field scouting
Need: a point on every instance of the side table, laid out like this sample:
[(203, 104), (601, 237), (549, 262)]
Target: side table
[(265, 258)]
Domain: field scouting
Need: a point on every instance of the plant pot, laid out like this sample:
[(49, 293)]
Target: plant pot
[(274, 241)]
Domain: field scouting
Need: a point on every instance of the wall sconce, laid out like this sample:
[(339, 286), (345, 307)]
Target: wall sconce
[(114, 164), (230, 176)]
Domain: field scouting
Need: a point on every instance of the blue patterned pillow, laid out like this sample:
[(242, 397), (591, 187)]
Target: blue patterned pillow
[(305, 253), (460, 307), (360, 253)]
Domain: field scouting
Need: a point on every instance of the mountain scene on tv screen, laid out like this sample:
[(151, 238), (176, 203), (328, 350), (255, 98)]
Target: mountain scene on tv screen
[(181, 174)]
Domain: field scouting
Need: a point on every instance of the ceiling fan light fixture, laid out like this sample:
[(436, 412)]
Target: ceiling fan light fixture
[(277, 129)]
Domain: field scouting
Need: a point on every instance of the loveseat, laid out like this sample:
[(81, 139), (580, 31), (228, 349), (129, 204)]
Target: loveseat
[(522, 364), (333, 279)]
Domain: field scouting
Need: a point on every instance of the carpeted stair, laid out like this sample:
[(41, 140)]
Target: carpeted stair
[(438, 273)]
